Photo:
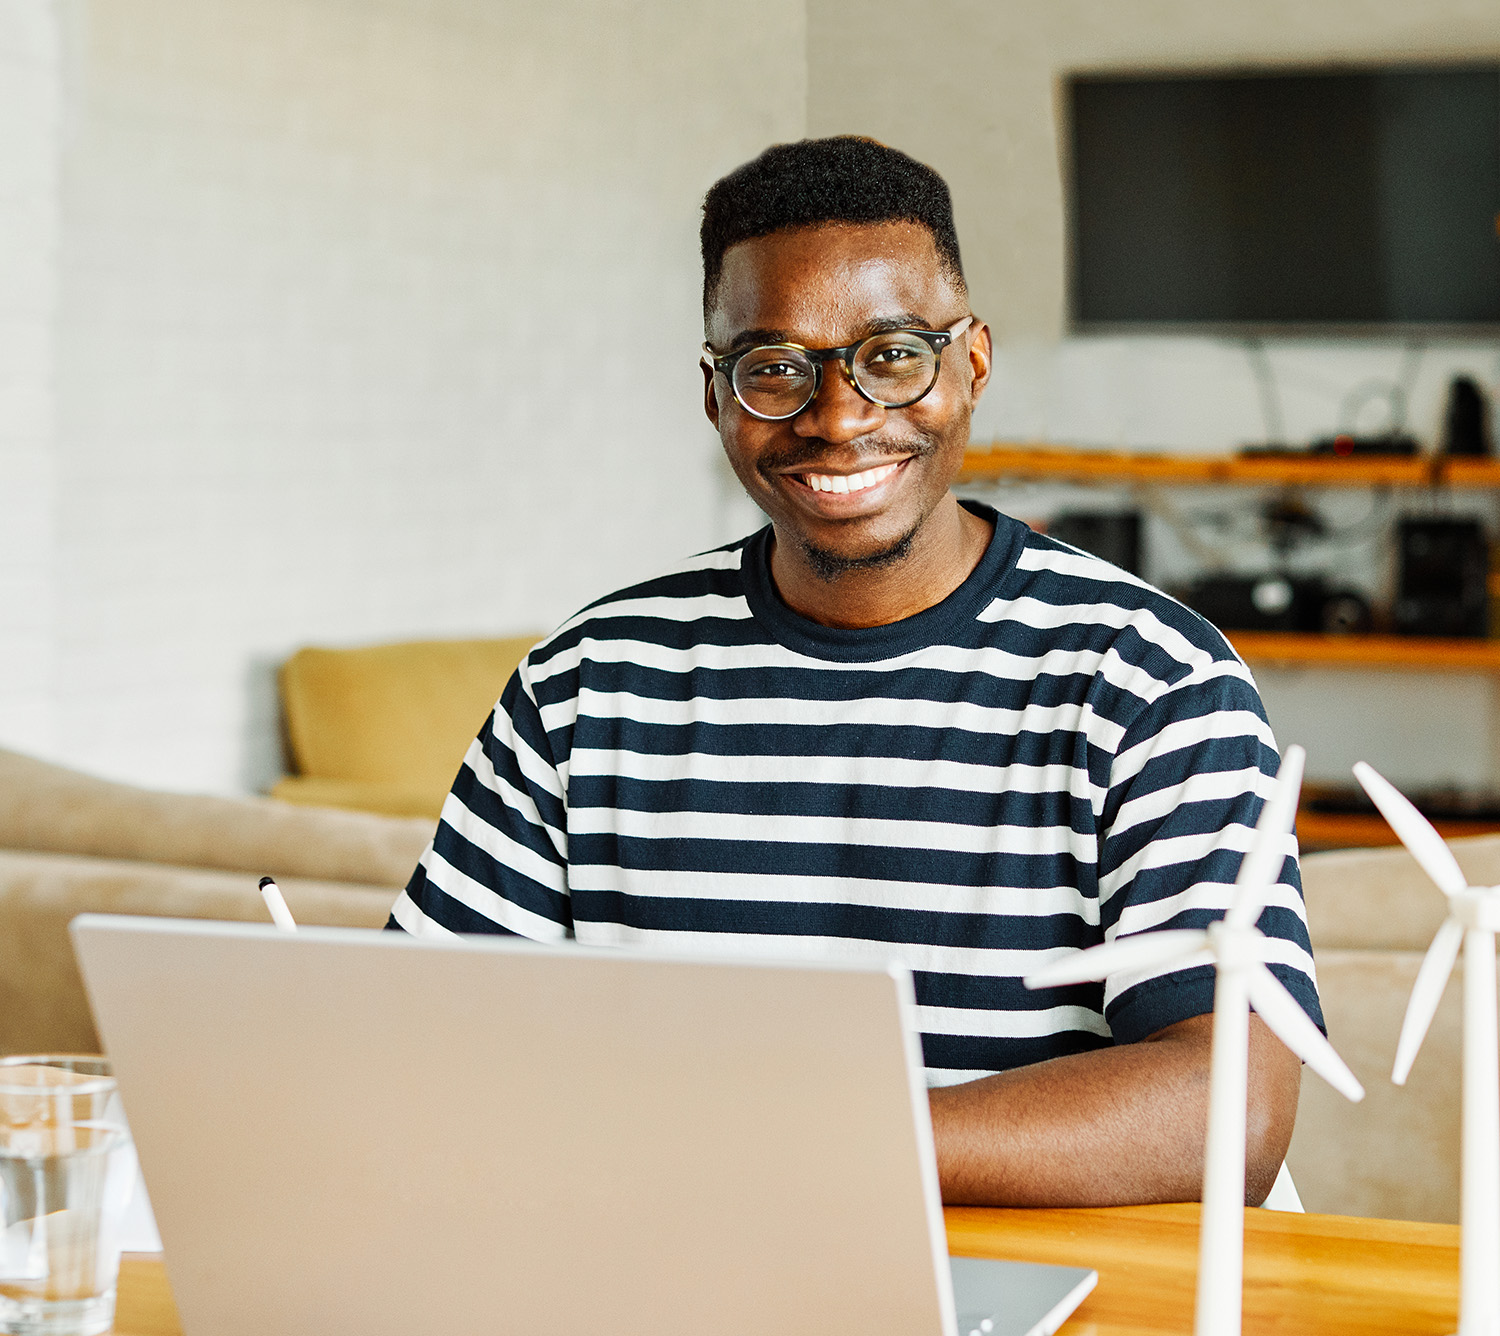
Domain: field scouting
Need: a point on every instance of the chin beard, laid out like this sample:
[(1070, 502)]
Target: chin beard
[(829, 566)]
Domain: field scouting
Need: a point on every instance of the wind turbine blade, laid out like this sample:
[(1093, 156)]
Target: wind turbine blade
[(1138, 952), (1290, 1024), (1262, 865), (1415, 831), (1426, 993)]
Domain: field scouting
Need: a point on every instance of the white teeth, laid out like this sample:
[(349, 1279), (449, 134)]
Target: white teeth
[(852, 482)]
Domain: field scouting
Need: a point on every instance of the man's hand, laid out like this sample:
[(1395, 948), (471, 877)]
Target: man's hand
[(1111, 1127)]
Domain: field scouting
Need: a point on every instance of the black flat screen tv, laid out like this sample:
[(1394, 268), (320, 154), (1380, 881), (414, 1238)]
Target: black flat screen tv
[(1357, 200)]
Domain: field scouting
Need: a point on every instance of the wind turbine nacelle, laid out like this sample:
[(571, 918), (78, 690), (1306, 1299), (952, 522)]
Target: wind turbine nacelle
[(1477, 907)]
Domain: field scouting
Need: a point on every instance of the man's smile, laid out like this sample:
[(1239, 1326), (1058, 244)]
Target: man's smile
[(848, 482), (842, 495)]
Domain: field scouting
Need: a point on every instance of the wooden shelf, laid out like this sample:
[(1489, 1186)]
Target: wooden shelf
[(1007, 460), (1432, 653), (1353, 830), (1471, 472)]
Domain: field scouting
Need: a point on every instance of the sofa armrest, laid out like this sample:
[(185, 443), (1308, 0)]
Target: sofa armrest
[(43, 1007), (50, 808)]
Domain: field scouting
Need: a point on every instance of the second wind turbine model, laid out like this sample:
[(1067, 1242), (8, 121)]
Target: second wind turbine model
[(1238, 950), (1473, 918)]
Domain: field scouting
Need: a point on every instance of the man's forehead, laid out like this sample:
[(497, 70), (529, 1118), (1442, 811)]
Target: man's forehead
[(811, 284)]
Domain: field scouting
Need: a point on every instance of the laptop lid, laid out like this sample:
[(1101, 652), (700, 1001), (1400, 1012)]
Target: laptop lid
[(645, 1144)]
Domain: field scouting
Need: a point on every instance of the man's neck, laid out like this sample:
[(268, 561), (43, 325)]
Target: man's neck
[(944, 552)]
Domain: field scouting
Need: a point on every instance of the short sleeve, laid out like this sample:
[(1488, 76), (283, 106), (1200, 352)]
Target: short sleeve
[(1186, 787)]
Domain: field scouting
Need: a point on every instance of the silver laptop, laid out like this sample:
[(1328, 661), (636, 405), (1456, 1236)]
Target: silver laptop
[(347, 1131)]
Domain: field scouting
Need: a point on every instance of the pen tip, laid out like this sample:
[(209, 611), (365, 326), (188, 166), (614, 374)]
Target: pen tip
[(267, 881)]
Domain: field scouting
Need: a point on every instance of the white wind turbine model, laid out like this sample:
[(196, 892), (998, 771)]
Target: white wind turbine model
[(1473, 918), (1239, 950)]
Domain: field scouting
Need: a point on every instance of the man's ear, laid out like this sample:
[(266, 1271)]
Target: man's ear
[(981, 359), (710, 399)]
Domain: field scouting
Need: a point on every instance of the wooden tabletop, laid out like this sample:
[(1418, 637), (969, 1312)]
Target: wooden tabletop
[(1330, 1274), (1333, 1275)]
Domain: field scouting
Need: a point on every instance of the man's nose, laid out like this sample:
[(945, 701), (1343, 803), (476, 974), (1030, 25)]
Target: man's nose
[(838, 412)]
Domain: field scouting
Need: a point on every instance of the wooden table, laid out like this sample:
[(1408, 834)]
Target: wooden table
[(1333, 1275)]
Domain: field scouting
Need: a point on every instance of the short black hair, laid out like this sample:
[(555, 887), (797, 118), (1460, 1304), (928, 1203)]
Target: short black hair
[(843, 179)]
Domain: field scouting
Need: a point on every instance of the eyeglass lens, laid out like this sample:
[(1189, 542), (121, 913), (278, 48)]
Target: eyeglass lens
[(892, 369)]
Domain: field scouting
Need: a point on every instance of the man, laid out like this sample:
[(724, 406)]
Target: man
[(893, 724)]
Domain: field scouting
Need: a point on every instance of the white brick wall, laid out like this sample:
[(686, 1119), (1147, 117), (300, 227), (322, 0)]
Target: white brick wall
[(30, 102), (375, 320)]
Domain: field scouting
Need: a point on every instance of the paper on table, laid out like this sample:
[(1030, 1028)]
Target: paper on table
[(138, 1226)]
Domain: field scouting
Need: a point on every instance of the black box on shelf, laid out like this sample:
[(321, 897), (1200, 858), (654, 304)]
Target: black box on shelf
[(1442, 571), (1113, 535)]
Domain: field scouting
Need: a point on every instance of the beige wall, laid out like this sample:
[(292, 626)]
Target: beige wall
[(973, 91)]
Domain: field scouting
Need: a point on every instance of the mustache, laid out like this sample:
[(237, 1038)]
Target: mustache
[(814, 449)]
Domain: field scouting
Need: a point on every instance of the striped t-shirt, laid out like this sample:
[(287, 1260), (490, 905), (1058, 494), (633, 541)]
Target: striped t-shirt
[(1055, 754)]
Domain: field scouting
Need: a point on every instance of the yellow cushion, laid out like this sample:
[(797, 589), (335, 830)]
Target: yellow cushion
[(397, 717), (362, 796)]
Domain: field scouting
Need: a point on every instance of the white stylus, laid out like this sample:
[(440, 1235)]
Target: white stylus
[(281, 916)]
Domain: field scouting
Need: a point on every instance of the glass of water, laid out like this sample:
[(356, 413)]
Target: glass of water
[(67, 1170)]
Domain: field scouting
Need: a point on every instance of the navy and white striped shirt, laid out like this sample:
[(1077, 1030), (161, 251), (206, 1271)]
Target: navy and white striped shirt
[(1055, 754)]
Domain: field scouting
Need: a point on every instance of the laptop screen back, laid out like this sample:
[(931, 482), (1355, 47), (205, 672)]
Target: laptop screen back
[(353, 1131)]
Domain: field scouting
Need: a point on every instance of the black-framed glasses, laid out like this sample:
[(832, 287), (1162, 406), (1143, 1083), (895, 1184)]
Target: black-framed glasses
[(894, 369)]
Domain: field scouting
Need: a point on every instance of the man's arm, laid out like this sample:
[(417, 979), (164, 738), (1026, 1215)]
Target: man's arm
[(1127, 1124), (1110, 1127)]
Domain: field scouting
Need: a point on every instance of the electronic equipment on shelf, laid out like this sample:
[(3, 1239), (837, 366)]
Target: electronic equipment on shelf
[(1342, 446), (1442, 577), (1277, 602)]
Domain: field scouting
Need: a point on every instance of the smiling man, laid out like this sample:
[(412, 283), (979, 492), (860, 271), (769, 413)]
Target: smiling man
[(892, 724)]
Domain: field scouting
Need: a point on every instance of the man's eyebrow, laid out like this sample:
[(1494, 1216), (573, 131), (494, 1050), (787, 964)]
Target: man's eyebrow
[(754, 338), (905, 320)]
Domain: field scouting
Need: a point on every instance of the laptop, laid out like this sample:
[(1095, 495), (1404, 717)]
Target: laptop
[(353, 1131)]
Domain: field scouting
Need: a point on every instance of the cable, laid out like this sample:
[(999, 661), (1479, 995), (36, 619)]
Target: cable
[(1152, 502), (1396, 392), (1406, 379), (1265, 381), (1362, 530)]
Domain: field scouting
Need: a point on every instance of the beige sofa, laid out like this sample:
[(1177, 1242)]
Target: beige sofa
[(69, 843), (1372, 913)]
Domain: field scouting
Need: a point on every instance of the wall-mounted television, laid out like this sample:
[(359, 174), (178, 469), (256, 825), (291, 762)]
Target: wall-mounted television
[(1292, 201)]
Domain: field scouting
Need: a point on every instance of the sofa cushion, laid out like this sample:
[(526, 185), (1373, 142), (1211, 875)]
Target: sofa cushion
[(50, 808), (1396, 1153), (42, 1003), (356, 795), (398, 717), (1371, 899)]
